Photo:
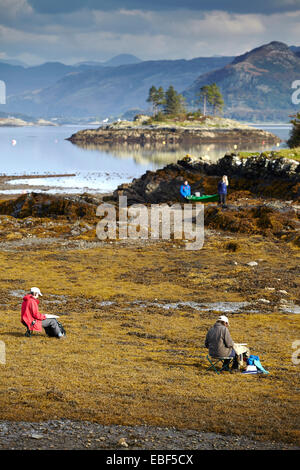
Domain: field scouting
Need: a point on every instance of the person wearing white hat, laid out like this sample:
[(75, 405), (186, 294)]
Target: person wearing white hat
[(224, 319), (219, 342), (32, 318), (36, 290)]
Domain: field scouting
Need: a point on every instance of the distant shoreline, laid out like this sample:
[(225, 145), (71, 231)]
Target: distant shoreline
[(17, 122)]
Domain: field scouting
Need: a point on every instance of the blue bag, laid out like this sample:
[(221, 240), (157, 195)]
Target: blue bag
[(255, 361)]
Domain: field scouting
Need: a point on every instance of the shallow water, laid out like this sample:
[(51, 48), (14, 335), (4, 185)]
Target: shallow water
[(291, 309), (222, 307), (218, 306)]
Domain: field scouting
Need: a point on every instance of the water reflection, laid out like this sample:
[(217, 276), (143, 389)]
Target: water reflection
[(159, 154)]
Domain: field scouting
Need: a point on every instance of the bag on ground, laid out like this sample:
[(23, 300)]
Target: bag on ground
[(254, 366), (50, 331)]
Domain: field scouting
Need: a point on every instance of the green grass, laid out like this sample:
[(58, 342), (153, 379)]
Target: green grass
[(293, 154)]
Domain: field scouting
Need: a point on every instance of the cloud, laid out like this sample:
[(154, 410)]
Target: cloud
[(235, 6), (13, 10), (94, 34)]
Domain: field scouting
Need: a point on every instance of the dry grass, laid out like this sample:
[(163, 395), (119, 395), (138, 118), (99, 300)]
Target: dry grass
[(125, 364)]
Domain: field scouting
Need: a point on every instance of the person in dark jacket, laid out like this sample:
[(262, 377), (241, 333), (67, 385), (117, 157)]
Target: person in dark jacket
[(219, 343), (185, 189), (32, 318), (222, 190)]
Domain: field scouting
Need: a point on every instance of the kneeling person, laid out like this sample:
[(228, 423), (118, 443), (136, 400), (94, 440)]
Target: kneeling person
[(32, 318)]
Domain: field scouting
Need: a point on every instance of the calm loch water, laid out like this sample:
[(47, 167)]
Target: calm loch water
[(44, 151)]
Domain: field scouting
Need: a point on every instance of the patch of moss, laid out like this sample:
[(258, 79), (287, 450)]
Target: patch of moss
[(293, 154)]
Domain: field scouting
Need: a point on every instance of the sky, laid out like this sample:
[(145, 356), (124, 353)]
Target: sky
[(71, 31)]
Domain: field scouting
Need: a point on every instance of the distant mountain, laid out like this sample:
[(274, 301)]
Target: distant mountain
[(122, 59), (256, 85), (89, 63), (19, 79), (13, 62), (295, 49), (103, 91)]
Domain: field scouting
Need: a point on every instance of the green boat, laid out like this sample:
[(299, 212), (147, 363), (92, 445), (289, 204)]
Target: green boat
[(204, 198)]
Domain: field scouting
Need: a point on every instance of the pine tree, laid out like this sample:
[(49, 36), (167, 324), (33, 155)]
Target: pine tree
[(152, 97), (204, 95), (216, 99), (294, 140), (174, 102), (156, 97), (210, 95), (160, 97)]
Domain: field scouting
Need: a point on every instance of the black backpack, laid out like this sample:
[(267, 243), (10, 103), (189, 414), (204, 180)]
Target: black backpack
[(50, 332)]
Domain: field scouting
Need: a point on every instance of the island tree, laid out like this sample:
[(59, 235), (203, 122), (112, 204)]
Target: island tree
[(174, 102), (294, 140), (210, 95), (157, 98)]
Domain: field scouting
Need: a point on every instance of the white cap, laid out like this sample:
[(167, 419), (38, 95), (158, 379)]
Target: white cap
[(223, 318), (36, 290)]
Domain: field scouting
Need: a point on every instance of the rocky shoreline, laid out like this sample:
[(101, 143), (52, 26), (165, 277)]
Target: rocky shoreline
[(171, 135), (260, 174), (74, 435)]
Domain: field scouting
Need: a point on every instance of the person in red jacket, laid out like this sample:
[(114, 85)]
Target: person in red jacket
[(32, 318)]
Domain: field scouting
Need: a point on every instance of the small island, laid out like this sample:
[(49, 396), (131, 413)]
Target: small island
[(171, 123), (194, 130)]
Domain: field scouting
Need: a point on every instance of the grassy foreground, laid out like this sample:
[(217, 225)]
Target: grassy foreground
[(122, 363)]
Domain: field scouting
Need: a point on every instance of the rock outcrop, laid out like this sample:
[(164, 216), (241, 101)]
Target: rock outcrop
[(261, 175), (170, 135), (52, 206)]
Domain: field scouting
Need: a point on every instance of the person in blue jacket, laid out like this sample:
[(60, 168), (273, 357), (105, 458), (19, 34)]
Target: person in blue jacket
[(222, 190), (185, 189)]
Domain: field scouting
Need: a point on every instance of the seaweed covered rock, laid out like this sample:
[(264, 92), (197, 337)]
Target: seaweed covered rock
[(260, 174), (260, 219), (45, 205)]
